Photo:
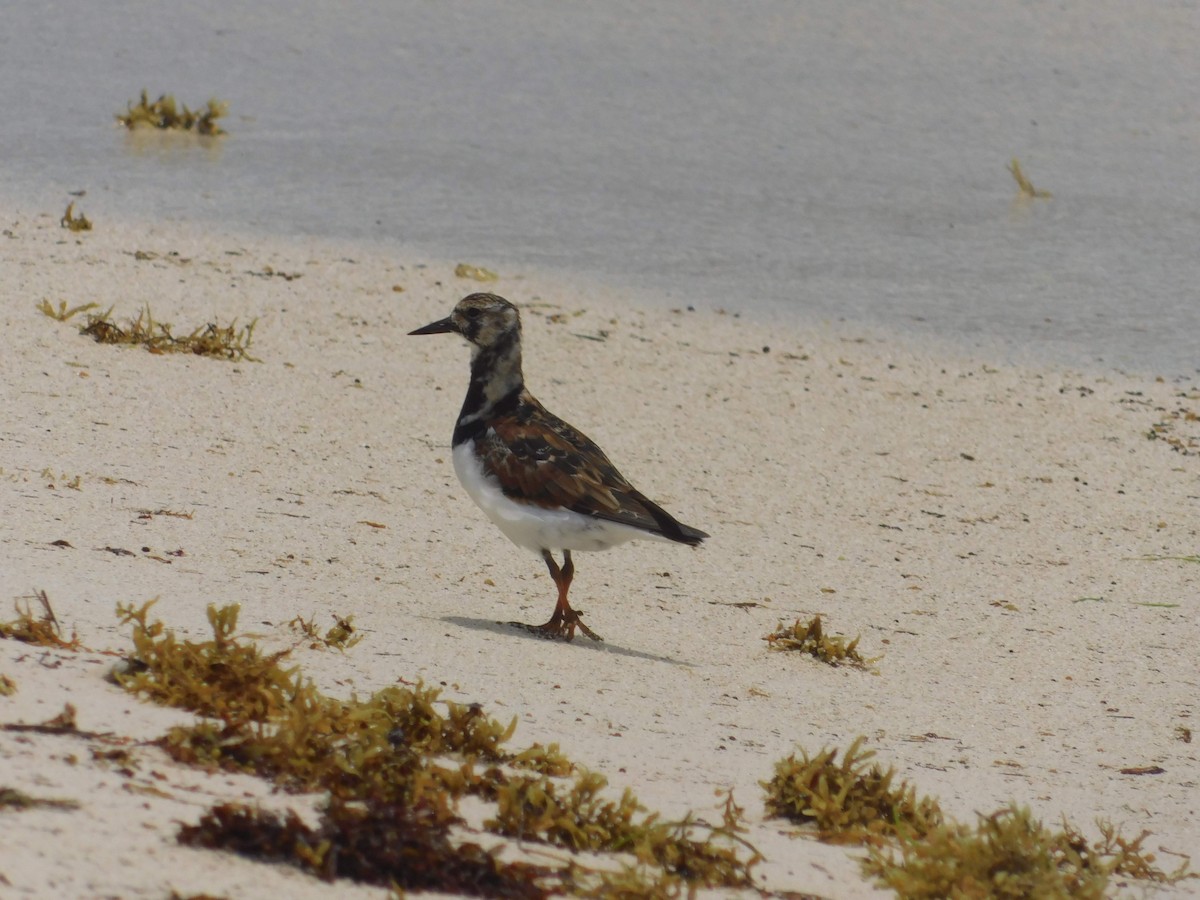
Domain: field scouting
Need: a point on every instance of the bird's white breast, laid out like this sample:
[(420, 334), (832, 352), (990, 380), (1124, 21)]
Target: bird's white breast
[(536, 527)]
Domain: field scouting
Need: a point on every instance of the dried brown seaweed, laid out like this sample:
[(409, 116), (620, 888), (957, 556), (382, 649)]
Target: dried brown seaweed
[(219, 341), (390, 844), (341, 636), (810, 638), (42, 630), (75, 222)]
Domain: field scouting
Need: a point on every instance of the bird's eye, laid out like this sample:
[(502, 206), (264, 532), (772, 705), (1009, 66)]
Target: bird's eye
[(473, 312)]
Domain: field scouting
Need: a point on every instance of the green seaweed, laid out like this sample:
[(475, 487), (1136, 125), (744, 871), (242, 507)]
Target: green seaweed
[(581, 819), (164, 113), (393, 767), (848, 801), (1009, 854)]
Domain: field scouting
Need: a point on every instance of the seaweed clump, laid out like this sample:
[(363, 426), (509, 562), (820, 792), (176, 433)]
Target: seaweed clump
[(1011, 854), (810, 638), (219, 341), (12, 798), (74, 222), (849, 801), (394, 766), (42, 630), (264, 717), (372, 841), (915, 850), (164, 113), (221, 679), (686, 851), (341, 636)]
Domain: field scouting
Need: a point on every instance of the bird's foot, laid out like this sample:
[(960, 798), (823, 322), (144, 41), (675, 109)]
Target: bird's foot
[(560, 628)]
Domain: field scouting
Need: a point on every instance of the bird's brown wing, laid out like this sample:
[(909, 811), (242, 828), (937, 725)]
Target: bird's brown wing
[(539, 458)]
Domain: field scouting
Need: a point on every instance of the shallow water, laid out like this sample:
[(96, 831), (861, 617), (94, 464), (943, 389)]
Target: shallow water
[(810, 160)]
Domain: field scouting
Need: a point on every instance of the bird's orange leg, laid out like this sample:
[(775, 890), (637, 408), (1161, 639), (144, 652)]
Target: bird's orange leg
[(565, 620)]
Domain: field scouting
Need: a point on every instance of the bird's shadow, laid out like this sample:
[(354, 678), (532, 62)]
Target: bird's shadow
[(512, 629)]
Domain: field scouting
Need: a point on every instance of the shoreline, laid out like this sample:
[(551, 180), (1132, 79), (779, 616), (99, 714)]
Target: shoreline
[(1034, 351), (1004, 536)]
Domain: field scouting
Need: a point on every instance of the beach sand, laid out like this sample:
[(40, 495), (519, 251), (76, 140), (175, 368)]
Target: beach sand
[(1008, 541)]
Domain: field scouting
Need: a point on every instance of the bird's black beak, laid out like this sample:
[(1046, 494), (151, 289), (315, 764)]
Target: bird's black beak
[(441, 326)]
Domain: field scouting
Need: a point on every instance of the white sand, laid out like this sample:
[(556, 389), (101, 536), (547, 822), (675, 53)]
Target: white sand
[(985, 529)]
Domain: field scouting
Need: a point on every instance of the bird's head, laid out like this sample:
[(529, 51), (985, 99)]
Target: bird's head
[(485, 320)]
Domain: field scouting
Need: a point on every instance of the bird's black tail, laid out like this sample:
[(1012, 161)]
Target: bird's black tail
[(670, 527)]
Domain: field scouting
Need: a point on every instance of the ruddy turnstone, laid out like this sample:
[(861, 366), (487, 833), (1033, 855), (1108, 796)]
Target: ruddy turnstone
[(542, 482)]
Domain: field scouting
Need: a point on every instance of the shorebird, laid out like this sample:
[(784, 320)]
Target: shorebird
[(543, 483)]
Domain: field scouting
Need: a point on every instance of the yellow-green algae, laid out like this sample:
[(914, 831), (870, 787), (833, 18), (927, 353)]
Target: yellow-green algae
[(810, 637), (850, 800), (394, 766), (42, 630), (74, 222), (916, 850), (164, 113), (1009, 854)]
